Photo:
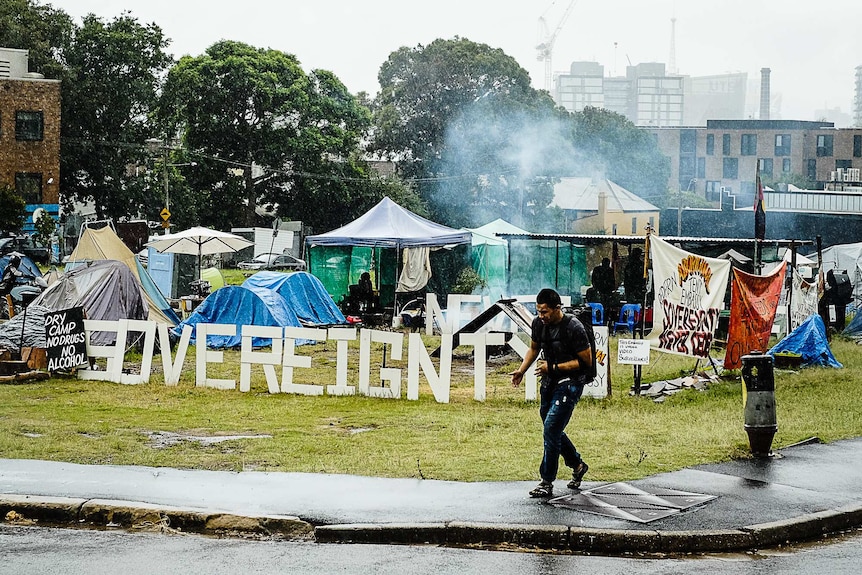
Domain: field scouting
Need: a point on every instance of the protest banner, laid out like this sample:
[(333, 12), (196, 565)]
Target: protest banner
[(753, 301), (689, 293)]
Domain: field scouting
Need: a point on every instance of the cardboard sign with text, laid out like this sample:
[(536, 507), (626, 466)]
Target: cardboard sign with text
[(633, 351)]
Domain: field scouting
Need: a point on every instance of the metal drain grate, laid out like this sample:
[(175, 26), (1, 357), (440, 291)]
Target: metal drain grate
[(624, 501)]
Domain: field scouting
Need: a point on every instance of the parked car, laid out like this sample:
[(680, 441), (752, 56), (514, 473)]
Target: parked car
[(25, 245), (273, 262)]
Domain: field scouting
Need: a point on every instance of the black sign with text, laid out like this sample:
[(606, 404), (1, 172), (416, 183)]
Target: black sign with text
[(66, 342)]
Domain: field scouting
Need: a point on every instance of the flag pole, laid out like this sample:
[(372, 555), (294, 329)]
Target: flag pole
[(637, 367), (759, 220)]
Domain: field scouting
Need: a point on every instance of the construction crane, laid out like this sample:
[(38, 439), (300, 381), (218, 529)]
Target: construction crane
[(545, 46)]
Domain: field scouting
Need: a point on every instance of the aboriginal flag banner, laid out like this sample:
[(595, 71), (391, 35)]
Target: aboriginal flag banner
[(689, 294), (753, 301)]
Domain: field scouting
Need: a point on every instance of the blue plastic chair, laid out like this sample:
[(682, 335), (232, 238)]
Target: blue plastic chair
[(630, 315), (598, 313)]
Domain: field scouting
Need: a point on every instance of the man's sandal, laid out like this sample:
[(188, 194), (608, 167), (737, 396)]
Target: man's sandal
[(543, 490), (578, 475)]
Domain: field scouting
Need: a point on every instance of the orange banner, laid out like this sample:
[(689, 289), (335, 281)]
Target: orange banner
[(753, 301)]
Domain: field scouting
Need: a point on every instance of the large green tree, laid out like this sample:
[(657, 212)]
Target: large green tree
[(113, 76), (268, 134), (39, 28), (13, 213), (464, 123), (613, 146), (456, 115)]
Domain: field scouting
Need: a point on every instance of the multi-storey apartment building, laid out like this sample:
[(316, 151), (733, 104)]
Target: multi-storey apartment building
[(29, 132), (646, 94), (725, 154)]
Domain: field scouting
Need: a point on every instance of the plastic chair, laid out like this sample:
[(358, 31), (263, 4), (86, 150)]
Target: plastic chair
[(413, 314), (598, 313), (630, 315)]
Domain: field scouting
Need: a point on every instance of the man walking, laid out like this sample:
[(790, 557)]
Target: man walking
[(566, 365)]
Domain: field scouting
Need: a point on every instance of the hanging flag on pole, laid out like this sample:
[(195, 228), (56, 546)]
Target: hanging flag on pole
[(759, 208)]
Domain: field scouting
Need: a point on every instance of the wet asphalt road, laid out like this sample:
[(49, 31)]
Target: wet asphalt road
[(44, 551), (803, 479)]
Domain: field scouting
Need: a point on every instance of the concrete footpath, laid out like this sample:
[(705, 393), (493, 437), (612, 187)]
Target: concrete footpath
[(803, 492)]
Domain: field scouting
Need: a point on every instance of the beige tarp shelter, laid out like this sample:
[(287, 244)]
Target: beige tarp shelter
[(105, 244)]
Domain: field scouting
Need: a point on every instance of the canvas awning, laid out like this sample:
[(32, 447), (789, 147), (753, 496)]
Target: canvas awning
[(389, 225)]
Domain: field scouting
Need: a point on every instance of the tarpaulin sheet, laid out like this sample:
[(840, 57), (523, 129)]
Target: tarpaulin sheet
[(689, 294), (304, 294), (106, 289), (415, 271), (809, 341), (753, 301), (803, 300), (33, 324), (854, 328), (239, 306)]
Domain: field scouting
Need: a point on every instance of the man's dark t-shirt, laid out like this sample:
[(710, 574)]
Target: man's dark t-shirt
[(559, 347)]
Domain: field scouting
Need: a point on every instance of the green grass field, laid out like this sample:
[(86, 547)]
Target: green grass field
[(622, 437)]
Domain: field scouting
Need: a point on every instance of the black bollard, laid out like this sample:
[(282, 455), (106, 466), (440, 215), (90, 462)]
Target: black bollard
[(760, 420)]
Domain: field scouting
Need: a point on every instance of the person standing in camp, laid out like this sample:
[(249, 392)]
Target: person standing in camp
[(566, 364), (604, 283), (634, 282)]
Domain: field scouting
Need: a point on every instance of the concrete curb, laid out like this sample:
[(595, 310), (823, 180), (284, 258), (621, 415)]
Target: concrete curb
[(145, 516), (100, 513), (807, 526)]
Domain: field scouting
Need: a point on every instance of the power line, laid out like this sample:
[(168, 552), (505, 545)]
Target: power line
[(294, 173)]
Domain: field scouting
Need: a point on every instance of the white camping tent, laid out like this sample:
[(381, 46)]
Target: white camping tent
[(490, 256)]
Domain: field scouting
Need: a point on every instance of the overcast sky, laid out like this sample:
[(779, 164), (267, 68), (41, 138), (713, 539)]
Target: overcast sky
[(811, 47)]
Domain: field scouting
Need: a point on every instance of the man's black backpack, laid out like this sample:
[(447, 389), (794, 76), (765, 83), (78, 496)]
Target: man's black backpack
[(584, 314)]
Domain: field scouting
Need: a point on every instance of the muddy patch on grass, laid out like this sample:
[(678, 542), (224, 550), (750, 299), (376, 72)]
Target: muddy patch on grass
[(337, 426), (163, 439)]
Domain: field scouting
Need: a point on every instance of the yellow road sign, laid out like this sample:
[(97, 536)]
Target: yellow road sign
[(166, 215)]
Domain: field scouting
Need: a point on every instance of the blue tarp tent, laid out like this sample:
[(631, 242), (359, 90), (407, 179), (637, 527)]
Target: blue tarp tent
[(808, 340), (240, 306), (27, 266), (854, 328), (304, 294)]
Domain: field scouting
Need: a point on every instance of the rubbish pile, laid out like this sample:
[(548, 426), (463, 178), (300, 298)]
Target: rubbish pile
[(661, 389)]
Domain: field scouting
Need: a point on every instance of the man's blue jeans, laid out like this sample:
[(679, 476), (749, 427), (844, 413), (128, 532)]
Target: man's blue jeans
[(557, 402)]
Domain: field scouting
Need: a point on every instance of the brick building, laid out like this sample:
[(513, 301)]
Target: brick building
[(29, 133), (725, 154)]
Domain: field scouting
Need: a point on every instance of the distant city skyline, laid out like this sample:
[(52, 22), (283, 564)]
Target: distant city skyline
[(811, 54)]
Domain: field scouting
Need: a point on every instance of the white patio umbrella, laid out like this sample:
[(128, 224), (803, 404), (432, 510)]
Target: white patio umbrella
[(199, 241)]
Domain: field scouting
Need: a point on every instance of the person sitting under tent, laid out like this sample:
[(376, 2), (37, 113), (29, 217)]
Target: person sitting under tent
[(361, 297), (365, 292)]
